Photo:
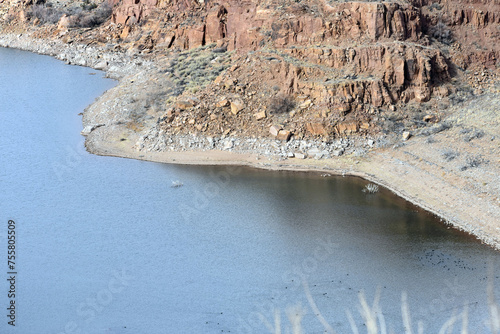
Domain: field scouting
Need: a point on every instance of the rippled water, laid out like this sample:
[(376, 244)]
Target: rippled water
[(106, 245)]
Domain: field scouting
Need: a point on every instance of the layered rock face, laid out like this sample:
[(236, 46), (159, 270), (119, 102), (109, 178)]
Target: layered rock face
[(340, 62), (249, 24), (380, 46), (348, 59), (132, 11)]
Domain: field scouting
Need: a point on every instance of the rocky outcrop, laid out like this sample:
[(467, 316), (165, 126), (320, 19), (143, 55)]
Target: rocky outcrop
[(129, 12), (335, 67), (475, 17), (247, 24), (400, 66), (371, 41)]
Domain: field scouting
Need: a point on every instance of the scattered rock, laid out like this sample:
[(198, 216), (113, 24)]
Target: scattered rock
[(317, 129), (187, 103), (237, 105), (284, 135), (406, 135), (260, 115), (274, 130)]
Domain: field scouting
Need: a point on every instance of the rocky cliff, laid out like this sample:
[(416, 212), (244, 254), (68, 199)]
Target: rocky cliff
[(308, 68)]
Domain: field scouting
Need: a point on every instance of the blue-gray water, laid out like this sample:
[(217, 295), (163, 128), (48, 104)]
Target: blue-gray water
[(106, 245)]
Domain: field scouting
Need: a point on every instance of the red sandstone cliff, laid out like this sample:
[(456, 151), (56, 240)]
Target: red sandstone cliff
[(346, 60)]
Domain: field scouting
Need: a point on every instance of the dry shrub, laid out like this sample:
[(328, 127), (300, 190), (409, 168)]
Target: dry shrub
[(93, 17), (442, 33), (449, 154), (45, 14), (281, 104), (473, 162)]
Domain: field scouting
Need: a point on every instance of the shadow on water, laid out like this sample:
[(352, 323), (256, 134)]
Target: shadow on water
[(301, 196), (377, 240)]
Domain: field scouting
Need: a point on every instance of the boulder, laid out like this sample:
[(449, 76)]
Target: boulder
[(284, 135), (338, 153), (222, 103), (187, 103), (228, 144), (274, 130), (347, 128), (306, 104), (300, 156), (317, 129), (237, 105), (431, 119), (260, 115), (196, 36), (64, 22)]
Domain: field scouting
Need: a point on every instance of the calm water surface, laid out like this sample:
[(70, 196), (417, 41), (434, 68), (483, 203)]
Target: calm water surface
[(106, 245)]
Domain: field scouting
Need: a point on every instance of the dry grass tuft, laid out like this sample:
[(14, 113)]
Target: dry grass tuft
[(371, 188), (374, 321)]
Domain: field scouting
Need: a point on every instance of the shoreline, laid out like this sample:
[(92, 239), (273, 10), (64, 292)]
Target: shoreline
[(409, 171), (364, 167)]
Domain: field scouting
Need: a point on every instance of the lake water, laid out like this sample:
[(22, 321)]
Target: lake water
[(106, 245)]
